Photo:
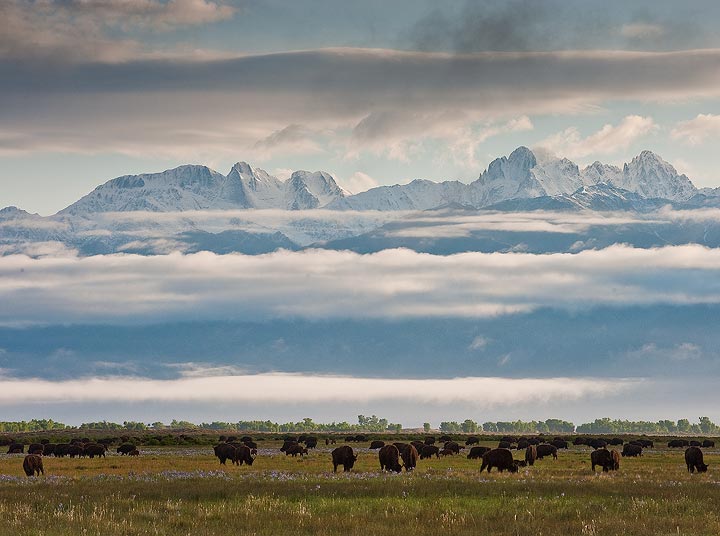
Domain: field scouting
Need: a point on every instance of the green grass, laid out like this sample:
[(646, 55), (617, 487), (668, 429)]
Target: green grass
[(175, 491)]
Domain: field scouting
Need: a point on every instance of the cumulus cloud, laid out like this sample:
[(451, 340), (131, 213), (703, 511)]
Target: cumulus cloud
[(696, 131), (372, 99), (342, 284), (608, 140), (281, 388)]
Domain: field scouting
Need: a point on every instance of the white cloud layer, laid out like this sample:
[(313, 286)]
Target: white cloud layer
[(282, 388), (697, 130), (608, 140), (323, 284)]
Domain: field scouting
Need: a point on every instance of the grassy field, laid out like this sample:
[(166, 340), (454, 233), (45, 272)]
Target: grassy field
[(184, 491)]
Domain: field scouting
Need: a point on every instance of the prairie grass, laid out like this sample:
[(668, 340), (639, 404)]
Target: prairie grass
[(185, 491)]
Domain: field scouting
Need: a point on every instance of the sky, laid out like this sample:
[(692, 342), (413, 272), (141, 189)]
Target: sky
[(372, 92), (376, 93)]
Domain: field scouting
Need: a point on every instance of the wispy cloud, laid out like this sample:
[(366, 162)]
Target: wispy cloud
[(696, 131)]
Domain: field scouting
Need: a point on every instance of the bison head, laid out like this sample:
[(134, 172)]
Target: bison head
[(702, 468), (249, 460)]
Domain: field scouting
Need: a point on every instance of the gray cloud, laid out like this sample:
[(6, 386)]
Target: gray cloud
[(342, 284), (364, 96)]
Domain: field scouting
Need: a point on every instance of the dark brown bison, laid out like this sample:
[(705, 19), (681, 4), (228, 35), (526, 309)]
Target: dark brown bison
[(708, 444), (288, 443), (472, 440), (343, 456), (603, 458), (616, 441), (446, 452), (616, 459), (504, 445), (75, 450), (36, 448), (310, 442), (500, 458), (418, 445), (246, 438), (430, 440), (33, 465), (377, 444), (409, 457), (531, 454), (559, 443), (677, 443), (389, 457), (294, 450), (631, 451), (522, 444), (452, 445), (243, 454), (94, 449), (597, 443), (61, 450), (546, 449), (445, 438), (125, 448), (224, 452), (580, 441), (252, 445), (477, 452), (16, 448), (693, 443), (694, 460), (428, 451), (646, 443), (135, 452)]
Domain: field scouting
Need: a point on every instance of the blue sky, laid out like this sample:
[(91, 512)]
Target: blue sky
[(94, 90)]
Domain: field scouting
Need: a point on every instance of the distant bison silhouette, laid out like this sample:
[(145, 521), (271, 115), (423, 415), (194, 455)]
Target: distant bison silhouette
[(472, 440), (631, 451), (377, 444), (694, 460), (428, 451), (16, 448), (502, 459), (94, 449), (477, 452), (33, 465), (125, 448), (389, 457), (708, 444), (296, 449), (36, 448), (545, 449), (677, 443), (343, 456)]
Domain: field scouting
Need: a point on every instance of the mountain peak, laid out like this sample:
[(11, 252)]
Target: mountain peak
[(243, 168)]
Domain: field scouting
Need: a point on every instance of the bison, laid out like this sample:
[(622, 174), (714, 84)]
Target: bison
[(16, 448), (616, 441), (693, 443), (472, 440), (418, 445), (546, 449), (224, 452), (631, 451), (288, 443), (477, 452), (597, 443), (33, 465), (428, 451), (243, 454), (310, 442), (708, 444), (125, 448), (500, 458), (452, 445), (296, 449), (559, 443), (36, 448), (530, 454), (94, 449), (389, 457), (410, 457), (677, 443), (75, 450), (343, 456), (377, 444), (694, 460), (446, 452), (135, 452), (603, 458), (430, 440), (616, 459)]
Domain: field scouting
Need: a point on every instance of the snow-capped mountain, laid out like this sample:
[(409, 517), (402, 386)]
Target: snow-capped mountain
[(521, 176), (194, 187)]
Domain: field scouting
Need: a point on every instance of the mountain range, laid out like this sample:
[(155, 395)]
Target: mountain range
[(194, 208)]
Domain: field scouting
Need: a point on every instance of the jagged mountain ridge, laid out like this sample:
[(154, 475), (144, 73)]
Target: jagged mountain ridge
[(195, 187)]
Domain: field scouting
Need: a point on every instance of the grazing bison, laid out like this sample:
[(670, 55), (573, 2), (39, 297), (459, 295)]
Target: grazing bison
[(504, 445), (252, 445), (708, 444), (616, 441), (677, 443), (500, 458), (446, 452), (135, 452), (477, 452), (125, 448), (522, 444), (418, 445), (597, 443), (310, 442), (343, 456), (75, 450), (389, 457), (48, 449), (33, 465), (546, 449), (616, 459), (631, 451), (472, 440), (430, 440), (428, 451), (409, 457), (603, 458), (377, 444), (452, 445), (296, 449), (61, 450), (694, 460), (36, 448), (559, 443), (580, 441), (243, 454), (530, 454), (16, 448), (94, 449), (287, 444), (224, 452)]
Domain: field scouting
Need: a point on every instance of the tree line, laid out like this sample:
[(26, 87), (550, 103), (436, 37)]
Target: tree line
[(376, 424)]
